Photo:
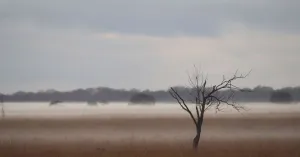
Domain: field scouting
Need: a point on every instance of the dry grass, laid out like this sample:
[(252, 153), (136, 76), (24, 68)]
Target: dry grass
[(279, 146), (250, 148)]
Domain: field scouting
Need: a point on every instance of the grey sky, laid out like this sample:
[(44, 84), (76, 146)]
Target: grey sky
[(66, 44)]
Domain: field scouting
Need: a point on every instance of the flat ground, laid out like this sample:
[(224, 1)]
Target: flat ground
[(256, 135)]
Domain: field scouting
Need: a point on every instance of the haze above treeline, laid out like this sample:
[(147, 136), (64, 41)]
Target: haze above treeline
[(256, 94)]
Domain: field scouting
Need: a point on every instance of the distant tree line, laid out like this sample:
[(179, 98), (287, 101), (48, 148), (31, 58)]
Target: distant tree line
[(257, 94), (142, 98)]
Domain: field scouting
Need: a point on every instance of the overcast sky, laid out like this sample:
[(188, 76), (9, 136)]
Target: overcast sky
[(146, 44)]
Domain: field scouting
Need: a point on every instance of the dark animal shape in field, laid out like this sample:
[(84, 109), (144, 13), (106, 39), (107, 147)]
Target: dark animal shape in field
[(142, 99), (281, 97), (55, 102)]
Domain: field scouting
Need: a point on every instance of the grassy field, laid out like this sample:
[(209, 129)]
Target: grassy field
[(257, 136), (248, 148)]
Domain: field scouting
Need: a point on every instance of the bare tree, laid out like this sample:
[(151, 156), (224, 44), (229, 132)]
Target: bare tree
[(205, 97), (2, 106)]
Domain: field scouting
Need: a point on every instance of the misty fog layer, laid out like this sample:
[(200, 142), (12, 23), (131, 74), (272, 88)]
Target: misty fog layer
[(114, 110), (118, 122)]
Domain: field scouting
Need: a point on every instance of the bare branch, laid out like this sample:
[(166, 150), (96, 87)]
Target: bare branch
[(191, 81), (178, 100), (227, 83), (182, 103), (197, 111)]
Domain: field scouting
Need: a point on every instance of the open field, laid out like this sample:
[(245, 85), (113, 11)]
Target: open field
[(251, 148), (256, 135)]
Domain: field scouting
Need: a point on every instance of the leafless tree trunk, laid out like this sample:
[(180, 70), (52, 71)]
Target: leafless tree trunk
[(205, 97)]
